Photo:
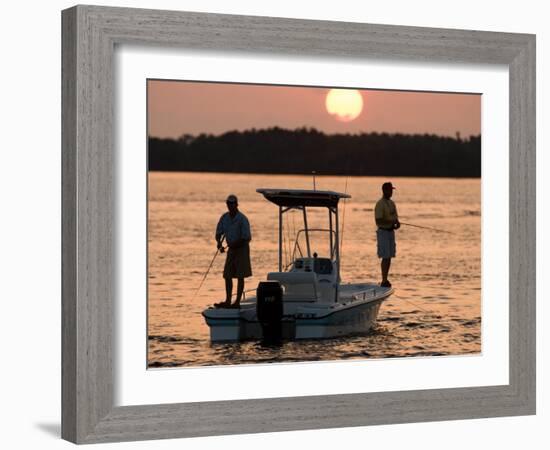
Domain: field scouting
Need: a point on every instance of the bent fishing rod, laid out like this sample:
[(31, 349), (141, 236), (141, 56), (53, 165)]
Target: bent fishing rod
[(426, 228), (220, 249)]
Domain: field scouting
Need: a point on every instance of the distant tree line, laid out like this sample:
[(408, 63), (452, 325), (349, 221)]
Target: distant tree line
[(301, 151)]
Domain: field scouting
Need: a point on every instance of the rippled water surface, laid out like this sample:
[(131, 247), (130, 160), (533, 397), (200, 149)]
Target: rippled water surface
[(436, 308)]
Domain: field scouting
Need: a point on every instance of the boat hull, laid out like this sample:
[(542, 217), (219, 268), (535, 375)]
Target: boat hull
[(303, 322), (349, 321)]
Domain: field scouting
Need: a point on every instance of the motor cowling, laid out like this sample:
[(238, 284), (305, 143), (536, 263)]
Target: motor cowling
[(269, 309)]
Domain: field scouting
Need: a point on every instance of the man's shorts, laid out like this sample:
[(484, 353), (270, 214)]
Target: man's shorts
[(237, 262), (385, 240)]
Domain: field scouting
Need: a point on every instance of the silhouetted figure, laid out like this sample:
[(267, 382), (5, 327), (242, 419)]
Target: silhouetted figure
[(236, 229), (387, 221)]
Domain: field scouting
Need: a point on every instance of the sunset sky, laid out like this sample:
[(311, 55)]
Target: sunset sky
[(178, 107)]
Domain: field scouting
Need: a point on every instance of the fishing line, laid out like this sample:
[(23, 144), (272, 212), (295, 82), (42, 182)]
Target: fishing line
[(427, 228), (414, 304), (218, 250)]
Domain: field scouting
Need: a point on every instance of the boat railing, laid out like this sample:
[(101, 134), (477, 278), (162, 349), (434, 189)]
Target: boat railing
[(364, 295)]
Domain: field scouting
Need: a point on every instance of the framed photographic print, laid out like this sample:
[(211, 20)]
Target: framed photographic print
[(266, 222), (321, 167)]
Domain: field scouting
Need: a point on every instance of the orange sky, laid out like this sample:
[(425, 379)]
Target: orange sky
[(178, 107)]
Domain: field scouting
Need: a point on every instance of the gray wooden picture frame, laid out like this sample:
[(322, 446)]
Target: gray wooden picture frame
[(90, 34)]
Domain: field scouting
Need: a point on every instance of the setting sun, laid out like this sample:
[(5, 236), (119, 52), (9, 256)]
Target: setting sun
[(344, 104)]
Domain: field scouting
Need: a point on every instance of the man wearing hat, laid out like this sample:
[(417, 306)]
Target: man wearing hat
[(236, 229), (385, 214)]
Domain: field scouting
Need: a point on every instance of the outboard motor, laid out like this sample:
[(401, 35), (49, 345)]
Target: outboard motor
[(269, 309)]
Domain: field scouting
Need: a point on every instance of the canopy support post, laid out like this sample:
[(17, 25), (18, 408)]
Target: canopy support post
[(330, 234), (280, 238), (337, 255), (307, 232)]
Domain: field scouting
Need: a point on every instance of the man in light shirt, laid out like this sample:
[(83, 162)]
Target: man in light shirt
[(235, 227), (387, 221)]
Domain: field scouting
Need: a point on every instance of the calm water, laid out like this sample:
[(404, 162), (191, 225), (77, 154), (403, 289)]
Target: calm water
[(436, 308)]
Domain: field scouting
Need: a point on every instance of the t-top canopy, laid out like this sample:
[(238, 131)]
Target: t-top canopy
[(302, 197)]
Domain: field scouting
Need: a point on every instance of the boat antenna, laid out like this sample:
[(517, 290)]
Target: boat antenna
[(344, 210)]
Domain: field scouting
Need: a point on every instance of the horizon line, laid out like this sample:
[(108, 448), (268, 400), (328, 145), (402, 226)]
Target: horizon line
[(306, 128)]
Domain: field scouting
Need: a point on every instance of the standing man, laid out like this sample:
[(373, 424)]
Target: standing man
[(236, 229), (385, 214)]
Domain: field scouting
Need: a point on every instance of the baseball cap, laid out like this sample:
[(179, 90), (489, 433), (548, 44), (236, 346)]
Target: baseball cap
[(388, 185)]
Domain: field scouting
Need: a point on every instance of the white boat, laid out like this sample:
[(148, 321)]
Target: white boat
[(306, 299)]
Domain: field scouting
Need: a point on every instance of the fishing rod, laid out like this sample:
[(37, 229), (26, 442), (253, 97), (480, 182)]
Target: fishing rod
[(426, 228), (220, 249)]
